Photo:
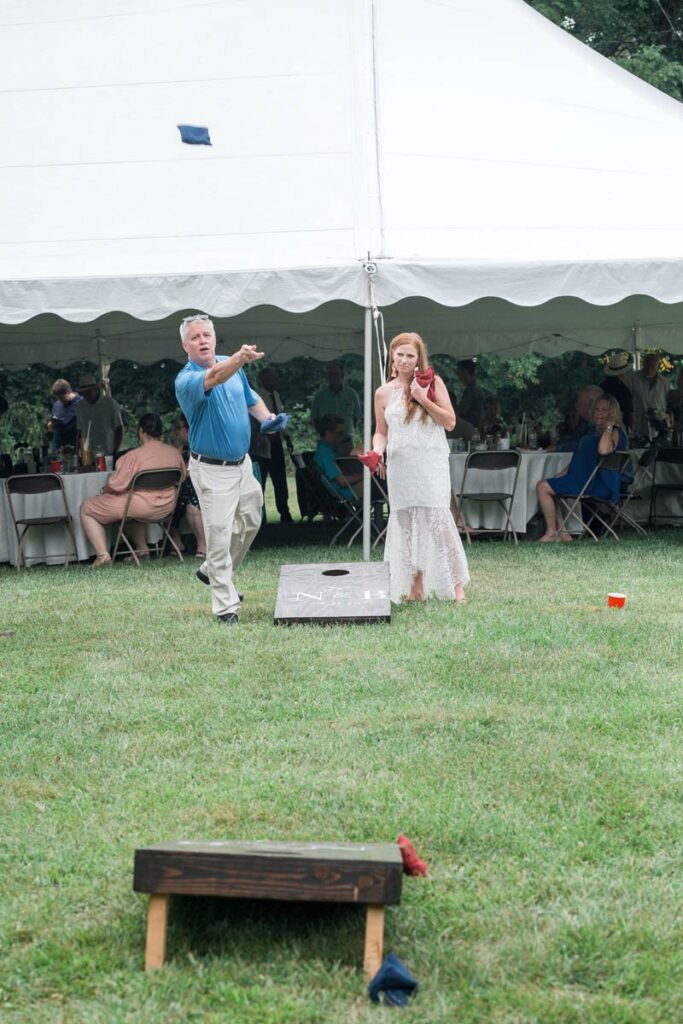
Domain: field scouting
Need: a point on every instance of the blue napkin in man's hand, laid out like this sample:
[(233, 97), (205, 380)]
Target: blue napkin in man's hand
[(273, 426), (393, 984)]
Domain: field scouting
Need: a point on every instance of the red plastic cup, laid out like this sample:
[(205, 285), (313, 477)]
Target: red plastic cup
[(101, 464), (616, 600), (56, 465)]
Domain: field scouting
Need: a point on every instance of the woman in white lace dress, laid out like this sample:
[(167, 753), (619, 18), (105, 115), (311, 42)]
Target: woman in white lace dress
[(423, 548)]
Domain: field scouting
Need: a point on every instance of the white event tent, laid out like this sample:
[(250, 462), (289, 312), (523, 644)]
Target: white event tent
[(511, 189)]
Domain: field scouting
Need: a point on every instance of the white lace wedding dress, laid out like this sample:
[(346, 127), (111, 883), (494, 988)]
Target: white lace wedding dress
[(421, 534)]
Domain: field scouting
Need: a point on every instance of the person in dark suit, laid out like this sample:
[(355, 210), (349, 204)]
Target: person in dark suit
[(274, 463), (615, 385)]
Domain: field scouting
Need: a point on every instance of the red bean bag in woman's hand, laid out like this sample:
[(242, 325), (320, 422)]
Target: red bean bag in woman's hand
[(426, 380), (371, 460)]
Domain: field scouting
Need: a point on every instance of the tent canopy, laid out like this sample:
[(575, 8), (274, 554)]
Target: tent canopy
[(512, 188)]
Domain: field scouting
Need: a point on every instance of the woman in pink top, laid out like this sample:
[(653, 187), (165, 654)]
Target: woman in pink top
[(109, 506)]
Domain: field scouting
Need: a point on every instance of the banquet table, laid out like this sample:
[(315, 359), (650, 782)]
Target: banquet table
[(47, 544), (534, 466)]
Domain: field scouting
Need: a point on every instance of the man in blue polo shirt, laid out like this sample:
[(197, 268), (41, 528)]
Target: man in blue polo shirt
[(216, 398)]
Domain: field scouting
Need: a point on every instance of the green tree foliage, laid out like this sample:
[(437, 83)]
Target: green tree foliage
[(643, 36)]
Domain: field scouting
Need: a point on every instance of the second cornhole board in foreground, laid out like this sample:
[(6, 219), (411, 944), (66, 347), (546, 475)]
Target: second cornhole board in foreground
[(360, 873)]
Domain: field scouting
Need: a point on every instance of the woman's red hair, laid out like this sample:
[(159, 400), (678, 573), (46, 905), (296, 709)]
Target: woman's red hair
[(410, 338)]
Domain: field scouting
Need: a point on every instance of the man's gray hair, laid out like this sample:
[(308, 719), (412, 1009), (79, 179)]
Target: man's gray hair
[(186, 321)]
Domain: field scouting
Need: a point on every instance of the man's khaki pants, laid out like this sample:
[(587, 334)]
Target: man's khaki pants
[(230, 498)]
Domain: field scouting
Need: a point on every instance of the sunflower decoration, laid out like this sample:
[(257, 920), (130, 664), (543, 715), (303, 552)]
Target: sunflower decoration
[(665, 362)]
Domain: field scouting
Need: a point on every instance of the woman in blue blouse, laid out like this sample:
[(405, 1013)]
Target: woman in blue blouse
[(607, 437)]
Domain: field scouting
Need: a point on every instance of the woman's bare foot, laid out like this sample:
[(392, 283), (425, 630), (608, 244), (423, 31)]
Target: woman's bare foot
[(547, 537), (460, 594), (101, 560), (564, 536)]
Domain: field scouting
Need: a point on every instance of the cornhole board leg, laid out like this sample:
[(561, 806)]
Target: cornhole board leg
[(157, 919), (374, 939)]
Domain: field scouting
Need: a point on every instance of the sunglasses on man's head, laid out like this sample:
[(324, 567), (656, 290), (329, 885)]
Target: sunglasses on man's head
[(196, 316)]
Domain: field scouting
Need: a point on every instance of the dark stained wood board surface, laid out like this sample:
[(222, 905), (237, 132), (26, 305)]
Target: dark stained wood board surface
[(324, 872)]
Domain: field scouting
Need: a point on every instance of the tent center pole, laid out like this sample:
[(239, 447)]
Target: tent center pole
[(367, 429), (637, 344)]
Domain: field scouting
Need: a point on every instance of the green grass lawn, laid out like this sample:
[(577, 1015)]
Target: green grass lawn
[(529, 743)]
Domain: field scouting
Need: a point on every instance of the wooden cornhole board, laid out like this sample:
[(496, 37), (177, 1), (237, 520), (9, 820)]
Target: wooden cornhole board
[(371, 874), (329, 592)]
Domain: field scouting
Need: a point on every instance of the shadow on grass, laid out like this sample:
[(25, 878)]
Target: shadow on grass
[(206, 927), (299, 535)]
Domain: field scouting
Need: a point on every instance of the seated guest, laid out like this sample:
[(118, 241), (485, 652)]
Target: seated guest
[(332, 430), (62, 422), (109, 506), (584, 408), (615, 385), (491, 423), (606, 436), (188, 502)]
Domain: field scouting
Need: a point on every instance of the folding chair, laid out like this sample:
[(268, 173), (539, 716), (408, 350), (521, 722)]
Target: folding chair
[(627, 493), (350, 465), (491, 462), (602, 510), (33, 484), (348, 510), (312, 498), (150, 480), (665, 457)]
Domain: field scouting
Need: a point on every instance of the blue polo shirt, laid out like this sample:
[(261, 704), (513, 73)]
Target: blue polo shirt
[(219, 418)]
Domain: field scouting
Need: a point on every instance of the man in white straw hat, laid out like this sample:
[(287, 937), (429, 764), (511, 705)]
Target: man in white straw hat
[(615, 385), (649, 389)]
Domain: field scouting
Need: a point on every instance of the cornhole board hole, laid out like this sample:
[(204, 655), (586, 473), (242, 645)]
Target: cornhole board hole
[(370, 874), (333, 592)]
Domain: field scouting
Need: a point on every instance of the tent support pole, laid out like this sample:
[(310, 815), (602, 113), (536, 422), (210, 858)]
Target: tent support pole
[(367, 426), (637, 342)]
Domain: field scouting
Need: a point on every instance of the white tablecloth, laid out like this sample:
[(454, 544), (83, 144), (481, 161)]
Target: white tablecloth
[(47, 544), (488, 515)]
